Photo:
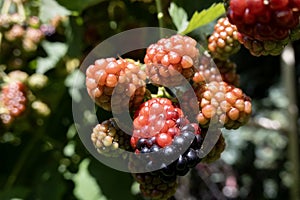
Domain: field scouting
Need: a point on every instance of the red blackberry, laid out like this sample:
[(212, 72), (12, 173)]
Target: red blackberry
[(105, 74), (216, 151), (264, 20), (224, 103), (153, 187), (13, 101), (170, 57), (109, 139), (224, 40)]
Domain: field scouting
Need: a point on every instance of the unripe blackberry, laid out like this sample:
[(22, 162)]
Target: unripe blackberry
[(37, 81), (18, 75), (263, 48), (41, 108), (152, 186), (171, 58), (13, 101), (109, 139), (206, 71), (224, 103), (15, 33), (126, 76), (224, 40), (216, 151)]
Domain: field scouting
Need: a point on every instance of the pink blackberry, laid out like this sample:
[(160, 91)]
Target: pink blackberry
[(171, 58), (224, 40), (13, 101), (105, 75)]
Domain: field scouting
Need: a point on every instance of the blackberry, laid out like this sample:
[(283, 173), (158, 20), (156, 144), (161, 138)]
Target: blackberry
[(109, 139), (216, 151), (172, 137), (105, 74), (13, 101), (224, 40), (264, 20), (206, 71), (171, 58), (154, 187), (222, 103)]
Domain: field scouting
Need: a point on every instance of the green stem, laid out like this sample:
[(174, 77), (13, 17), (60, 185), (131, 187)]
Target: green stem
[(5, 7), (289, 78), (21, 10), (160, 13)]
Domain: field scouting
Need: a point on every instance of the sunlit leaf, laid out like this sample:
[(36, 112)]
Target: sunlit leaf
[(179, 17), (86, 186), (204, 17), (50, 8), (55, 51)]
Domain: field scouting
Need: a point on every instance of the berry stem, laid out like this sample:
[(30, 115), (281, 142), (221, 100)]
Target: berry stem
[(5, 7), (160, 13), (21, 10)]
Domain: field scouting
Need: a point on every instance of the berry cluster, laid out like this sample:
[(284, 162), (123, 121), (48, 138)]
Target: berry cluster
[(166, 139), (13, 101), (264, 21), (27, 32)]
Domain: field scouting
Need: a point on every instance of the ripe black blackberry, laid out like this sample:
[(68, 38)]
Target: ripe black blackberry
[(222, 103), (109, 139), (13, 101), (224, 40), (106, 74), (170, 58)]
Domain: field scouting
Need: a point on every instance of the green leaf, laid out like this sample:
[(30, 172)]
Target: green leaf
[(78, 5), (204, 17), (50, 8), (179, 17), (55, 51), (86, 186), (75, 81)]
